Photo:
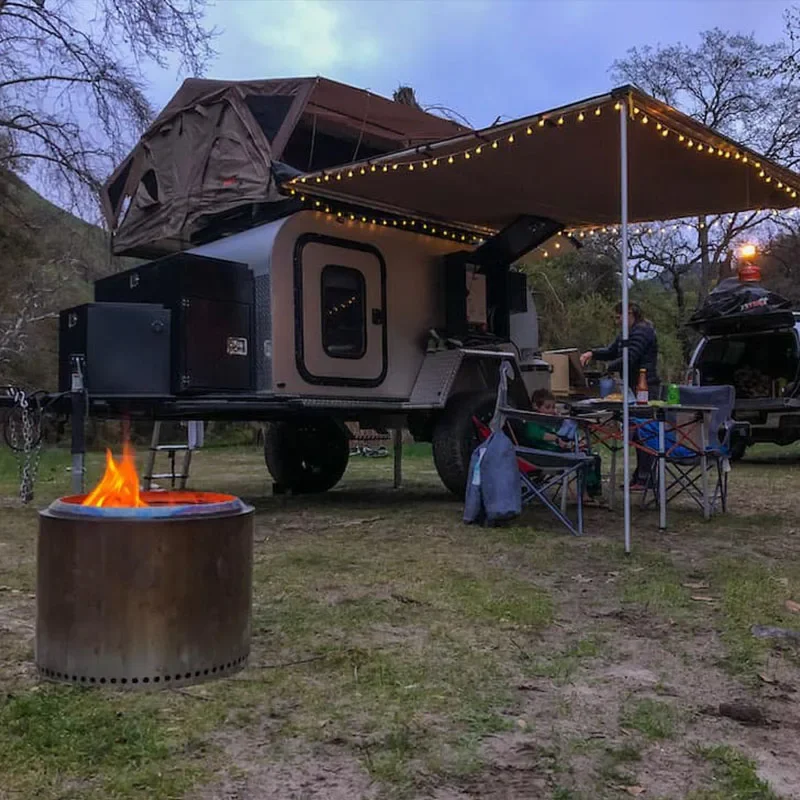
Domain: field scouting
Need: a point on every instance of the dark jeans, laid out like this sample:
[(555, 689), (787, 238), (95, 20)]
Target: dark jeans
[(643, 473)]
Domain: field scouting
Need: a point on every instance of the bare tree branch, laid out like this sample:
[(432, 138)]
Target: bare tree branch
[(72, 95)]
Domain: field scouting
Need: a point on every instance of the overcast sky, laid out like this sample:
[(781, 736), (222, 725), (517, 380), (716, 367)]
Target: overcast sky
[(482, 58)]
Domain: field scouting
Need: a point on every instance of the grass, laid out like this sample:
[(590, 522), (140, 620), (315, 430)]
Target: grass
[(735, 777), (394, 645), (95, 746), (654, 718), (654, 584), (752, 594), (561, 667)]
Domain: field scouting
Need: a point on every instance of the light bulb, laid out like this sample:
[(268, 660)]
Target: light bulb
[(478, 150), (511, 139), (410, 167), (467, 155), (434, 162), (581, 118), (450, 159), (541, 123), (494, 145), (665, 132), (338, 176), (529, 130), (424, 165), (561, 120), (597, 112)]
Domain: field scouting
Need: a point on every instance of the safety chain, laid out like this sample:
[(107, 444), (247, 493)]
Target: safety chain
[(30, 446)]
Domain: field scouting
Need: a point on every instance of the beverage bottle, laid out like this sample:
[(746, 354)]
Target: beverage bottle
[(642, 393)]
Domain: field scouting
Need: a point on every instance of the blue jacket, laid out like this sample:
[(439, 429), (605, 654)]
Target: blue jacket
[(494, 491)]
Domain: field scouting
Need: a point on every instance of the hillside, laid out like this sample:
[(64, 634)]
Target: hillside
[(48, 260)]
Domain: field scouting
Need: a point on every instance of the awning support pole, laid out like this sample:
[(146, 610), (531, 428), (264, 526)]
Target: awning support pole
[(626, 456)]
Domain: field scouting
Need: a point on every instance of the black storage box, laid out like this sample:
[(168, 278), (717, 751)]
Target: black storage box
[(212, 304), (125, 348)]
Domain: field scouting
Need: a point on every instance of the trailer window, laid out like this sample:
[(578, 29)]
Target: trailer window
[(344, 319)]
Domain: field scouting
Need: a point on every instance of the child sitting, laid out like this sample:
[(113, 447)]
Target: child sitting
[(544, 436)]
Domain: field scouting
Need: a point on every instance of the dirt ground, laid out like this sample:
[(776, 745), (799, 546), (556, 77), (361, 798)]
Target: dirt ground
[(397, 653)]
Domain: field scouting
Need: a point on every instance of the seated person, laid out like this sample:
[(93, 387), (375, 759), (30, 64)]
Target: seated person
[(543, 436)]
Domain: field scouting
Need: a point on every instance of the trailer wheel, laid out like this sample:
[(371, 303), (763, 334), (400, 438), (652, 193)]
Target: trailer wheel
[(306, 456), (455, 437)]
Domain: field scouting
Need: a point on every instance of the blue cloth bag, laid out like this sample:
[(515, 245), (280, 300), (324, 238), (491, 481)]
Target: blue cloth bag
[(494, 491)]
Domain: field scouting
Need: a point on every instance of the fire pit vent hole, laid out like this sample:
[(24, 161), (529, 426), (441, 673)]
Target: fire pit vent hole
[(146, 679)]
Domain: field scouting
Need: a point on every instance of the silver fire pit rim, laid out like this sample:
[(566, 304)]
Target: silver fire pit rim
[(70, 507)]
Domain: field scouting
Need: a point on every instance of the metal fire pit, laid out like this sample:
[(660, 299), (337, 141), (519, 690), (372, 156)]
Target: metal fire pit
[(144, 598)]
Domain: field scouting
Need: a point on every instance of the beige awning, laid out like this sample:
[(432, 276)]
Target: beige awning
[(562, 164)]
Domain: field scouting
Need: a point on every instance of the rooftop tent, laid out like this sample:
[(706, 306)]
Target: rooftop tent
[(208, 162), (617, 158)]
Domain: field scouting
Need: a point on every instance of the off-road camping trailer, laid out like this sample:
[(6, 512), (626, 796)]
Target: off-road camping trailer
[(288, 314), (351, 322)]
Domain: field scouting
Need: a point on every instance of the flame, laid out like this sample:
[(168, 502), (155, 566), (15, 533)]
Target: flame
[(119, 486)]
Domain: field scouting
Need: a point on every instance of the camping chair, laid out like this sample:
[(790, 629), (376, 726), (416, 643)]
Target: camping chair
[(544, 474), (692, 466)]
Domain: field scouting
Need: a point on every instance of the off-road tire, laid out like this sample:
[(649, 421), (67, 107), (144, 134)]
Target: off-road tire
[(738, 448), (455, 437), (306, 456)]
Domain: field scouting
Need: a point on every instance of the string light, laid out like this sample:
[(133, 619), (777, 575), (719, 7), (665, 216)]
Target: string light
[(342, 213)]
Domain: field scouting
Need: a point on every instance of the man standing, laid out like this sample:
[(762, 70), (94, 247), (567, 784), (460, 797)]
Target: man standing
[(642, 354)]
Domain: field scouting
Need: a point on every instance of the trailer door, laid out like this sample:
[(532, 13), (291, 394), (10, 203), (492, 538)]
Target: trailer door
[(340, 312)]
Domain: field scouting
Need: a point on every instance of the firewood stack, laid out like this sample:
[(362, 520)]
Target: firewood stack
[(752, 383)]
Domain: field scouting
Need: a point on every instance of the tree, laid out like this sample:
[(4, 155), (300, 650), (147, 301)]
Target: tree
[(72, 92), (739, 87)]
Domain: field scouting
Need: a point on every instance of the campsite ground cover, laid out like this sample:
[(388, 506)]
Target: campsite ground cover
[(397, 653)]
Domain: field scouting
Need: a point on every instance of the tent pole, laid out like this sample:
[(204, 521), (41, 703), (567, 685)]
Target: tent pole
[(626, 456)]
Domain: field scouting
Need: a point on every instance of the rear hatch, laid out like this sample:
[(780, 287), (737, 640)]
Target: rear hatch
[(758, 355)]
